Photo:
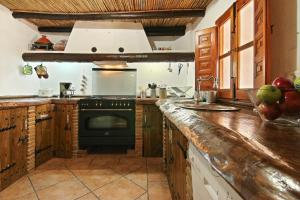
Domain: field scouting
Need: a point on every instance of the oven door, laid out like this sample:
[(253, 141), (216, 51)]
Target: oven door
[(106, 127)]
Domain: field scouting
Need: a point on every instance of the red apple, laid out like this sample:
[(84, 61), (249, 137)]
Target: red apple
[(283, 84), (291, 104), (270, 111)]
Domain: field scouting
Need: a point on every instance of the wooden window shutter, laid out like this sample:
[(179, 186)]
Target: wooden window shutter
[(261, 43), (206, 55)]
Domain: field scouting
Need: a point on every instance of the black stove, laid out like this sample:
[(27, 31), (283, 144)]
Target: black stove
[(107, 121)]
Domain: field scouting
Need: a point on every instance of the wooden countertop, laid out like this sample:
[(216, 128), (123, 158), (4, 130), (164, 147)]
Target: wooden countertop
[(260, 161), (23, 102), (146, 101)]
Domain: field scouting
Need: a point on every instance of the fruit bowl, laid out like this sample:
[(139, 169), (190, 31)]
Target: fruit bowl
[(273, 113)]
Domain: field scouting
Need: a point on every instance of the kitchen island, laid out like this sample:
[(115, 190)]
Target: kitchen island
[(260, 161)]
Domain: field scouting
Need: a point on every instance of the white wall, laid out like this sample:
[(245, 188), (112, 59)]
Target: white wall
[(15, 37), (182, 43), (146, 73), (283, 38), (214, 10)]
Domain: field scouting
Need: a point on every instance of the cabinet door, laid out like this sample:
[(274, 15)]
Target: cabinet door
[(5, 148), (43, 134), (152, 131), (262, 68), (63, 130), (13, 145), (206, 55), (20, 141)]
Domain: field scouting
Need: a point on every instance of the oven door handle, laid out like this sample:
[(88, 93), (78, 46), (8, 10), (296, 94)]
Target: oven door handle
[(84, 110)]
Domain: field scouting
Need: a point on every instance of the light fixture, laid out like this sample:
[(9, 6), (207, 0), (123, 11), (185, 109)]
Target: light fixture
[(111, 64)]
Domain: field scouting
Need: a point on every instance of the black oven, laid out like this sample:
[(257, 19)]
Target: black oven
[(106, 122)]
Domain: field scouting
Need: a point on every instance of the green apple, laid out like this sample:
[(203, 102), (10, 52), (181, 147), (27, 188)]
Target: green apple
[(297, 84), (268, 94)]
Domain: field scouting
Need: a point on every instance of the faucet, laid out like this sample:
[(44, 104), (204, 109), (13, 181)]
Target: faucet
[(200, 80)]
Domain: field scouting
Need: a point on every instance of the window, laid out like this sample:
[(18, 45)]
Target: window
[(237, 32)]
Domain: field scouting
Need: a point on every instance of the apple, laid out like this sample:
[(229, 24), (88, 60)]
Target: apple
[(268, 94), (291, 104), (297, 84), (283, 84), (270, 111)]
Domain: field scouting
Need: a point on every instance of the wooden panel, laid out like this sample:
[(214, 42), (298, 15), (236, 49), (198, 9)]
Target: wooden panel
[(206, 55), (112, 7), (152, 131), (63, 131), (44, 129), (175, 160), (261, 43), (13, 145)]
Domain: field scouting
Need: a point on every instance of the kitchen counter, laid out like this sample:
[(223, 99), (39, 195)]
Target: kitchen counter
[(33, 101), (260, 161), (22, 102), (146, 101)]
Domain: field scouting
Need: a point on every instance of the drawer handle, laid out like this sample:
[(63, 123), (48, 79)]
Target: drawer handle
[(43, 118), (7, 167)]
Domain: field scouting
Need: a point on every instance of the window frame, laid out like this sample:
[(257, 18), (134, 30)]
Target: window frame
[(233, 13), (228, 15)]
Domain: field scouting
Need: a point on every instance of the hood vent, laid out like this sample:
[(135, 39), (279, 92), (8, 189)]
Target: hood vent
[(108, 38)]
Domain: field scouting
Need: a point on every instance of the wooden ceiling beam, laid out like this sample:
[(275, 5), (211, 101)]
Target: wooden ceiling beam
[(150, 31), (178, 13)]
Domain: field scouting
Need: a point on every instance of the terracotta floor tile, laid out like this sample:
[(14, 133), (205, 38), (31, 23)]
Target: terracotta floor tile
[(159, 190), (31, 196), (54, 163), (67, 190), (156, 173), (89, 196), (78, 163), (48, 178), (104, 162), (120, 189), (128, 165), (143, 197), (17, 190), (139, 177), (96, 178)]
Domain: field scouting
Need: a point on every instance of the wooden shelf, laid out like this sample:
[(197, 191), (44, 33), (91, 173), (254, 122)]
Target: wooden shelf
[(129, 57)]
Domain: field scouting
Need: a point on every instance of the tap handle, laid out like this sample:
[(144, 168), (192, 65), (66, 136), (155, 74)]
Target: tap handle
[(216, 84)]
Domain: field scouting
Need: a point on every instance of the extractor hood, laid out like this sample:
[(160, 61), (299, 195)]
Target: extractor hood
[(108, 38)]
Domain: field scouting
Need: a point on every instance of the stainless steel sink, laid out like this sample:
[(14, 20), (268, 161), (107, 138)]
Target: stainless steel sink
[(204, 106)]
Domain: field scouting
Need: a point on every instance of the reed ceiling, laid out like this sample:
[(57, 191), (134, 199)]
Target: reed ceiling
[(104, 6)]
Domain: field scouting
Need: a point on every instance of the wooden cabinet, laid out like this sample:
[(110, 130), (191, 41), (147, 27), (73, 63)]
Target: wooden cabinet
[(175, 159), (44, 134), (152, 131), (13, 145), (63, 131), (206, 56)]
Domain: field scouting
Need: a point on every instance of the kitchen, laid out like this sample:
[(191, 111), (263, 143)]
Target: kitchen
[(138, 99)]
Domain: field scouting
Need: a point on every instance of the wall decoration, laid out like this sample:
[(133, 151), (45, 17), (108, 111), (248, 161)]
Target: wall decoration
[(41, 71), (27, 69)]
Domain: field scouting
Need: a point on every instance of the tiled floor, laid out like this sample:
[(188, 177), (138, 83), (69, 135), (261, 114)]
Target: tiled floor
[(104, 177)]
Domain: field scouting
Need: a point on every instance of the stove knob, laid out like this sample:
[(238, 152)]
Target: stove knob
[(112, 104)]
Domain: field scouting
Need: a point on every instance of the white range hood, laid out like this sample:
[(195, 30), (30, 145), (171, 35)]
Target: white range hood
[(108, 37)]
